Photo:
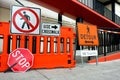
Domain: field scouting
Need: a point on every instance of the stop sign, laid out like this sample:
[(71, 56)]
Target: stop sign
[(22, 58)]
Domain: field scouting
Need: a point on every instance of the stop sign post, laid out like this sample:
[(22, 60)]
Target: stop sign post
[(22, 58)]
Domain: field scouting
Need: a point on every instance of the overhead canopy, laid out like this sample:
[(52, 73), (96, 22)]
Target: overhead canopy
[(75, 9)]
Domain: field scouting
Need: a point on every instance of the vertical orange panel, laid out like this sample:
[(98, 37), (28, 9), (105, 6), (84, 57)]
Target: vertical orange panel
[(22, 41), (71, 45), (45, 45), (65, 45), (14, 40), (52, 45), (30, 43), (58, 45), (5, 44), (38, 45)]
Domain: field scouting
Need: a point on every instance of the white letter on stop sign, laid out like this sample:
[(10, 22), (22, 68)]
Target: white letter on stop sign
[(27, 64), (23, 62)]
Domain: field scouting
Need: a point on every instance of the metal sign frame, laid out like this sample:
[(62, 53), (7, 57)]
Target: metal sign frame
[(82, 61)]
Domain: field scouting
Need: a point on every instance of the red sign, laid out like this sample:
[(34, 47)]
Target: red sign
[(21, 58)]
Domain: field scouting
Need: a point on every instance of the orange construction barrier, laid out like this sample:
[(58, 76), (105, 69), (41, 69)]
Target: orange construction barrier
[(48, 51)]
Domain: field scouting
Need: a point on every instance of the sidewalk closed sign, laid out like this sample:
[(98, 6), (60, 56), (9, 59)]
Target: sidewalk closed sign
[(87, 35)]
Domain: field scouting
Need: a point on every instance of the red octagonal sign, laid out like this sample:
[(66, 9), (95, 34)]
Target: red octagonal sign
[(21, 58)]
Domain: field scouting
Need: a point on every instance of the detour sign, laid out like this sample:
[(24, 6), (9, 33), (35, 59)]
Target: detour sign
[(87, 35)]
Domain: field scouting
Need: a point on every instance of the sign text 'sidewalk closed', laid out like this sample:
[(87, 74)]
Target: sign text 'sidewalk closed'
[(87, 35)]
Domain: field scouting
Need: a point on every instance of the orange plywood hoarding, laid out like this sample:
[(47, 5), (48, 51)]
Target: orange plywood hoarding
[(87, 35)]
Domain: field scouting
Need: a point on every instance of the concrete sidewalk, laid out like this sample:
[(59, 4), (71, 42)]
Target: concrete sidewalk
[(103, 71)]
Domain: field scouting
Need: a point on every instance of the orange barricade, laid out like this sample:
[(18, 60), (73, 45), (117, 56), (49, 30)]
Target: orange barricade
[(48, 51)]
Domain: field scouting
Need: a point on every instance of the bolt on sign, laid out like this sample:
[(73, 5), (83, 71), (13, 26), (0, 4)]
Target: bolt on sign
[(87, 35)]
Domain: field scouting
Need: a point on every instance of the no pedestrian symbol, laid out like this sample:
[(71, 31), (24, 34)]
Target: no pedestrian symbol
[(25, 20)]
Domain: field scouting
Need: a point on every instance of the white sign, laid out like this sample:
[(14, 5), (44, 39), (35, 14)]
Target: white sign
[(85, 53), (25, 20), (50, 29)]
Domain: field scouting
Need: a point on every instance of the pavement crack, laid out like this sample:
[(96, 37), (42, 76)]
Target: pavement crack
[(43, 75)]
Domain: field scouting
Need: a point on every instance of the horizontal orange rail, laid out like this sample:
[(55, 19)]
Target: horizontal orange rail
[(107, 58)]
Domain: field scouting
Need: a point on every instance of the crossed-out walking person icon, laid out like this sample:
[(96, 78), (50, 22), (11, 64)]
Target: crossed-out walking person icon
[(25, 20), (28, 18)]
